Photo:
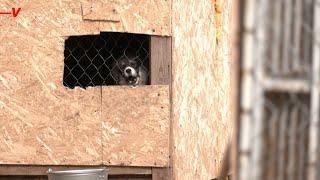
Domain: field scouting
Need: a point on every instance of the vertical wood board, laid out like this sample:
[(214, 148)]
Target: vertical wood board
[(201, 89), (160, 55)]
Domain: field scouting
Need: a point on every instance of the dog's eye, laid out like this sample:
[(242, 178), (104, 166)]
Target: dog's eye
[(134, 64)]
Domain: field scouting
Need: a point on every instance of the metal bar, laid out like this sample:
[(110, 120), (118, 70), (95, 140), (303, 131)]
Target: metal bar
[(297, 35), (258, 94), (315, 97), (246, 90), (307, 36), (286, 85), (275, 58), (302, 146), (273, 133), (294, 117), (282, 142), (286, 37)]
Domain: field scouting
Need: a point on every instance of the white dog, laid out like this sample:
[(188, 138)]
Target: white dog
[(128, 70)]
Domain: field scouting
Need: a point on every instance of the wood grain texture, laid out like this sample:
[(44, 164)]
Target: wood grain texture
[(55, 127), (136, 125), (39, 20), (160, 55), (41, 121), (137, 16), (201, 90)]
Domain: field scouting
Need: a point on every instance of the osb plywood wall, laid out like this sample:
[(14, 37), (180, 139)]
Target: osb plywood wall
[(34, 100), (137, 130), (64, 18), (42, 122), (147, 17), (201, 87)]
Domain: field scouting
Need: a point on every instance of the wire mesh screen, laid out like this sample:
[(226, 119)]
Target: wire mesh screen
[(279, 128), (96, 60)]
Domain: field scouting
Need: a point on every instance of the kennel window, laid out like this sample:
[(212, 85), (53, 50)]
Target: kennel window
[(97, 60)]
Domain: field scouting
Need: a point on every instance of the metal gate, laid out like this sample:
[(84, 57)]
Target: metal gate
[(280, 81)]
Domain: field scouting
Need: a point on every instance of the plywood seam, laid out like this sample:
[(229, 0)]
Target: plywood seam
[(101, 121), (171, 139)]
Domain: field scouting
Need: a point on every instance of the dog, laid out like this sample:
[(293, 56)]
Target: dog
[(128, 70)]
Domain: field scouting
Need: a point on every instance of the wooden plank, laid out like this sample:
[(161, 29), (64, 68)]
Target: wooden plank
[(129, 178), (46, 178), (32, 170), (23, 178), (201, 89), (160, 173), (144, 17), (160, 60), (135, 122)]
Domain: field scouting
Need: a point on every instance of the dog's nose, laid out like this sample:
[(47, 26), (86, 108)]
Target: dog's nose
[(128, 70)]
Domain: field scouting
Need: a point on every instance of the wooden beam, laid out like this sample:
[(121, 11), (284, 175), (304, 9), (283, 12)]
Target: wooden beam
[(160, 173), (160, 60), (34, 170)]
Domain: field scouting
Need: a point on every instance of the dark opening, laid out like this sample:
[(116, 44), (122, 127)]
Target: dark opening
[(106, 59)]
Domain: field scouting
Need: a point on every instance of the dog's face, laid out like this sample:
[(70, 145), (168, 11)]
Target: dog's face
[(129, 67)]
